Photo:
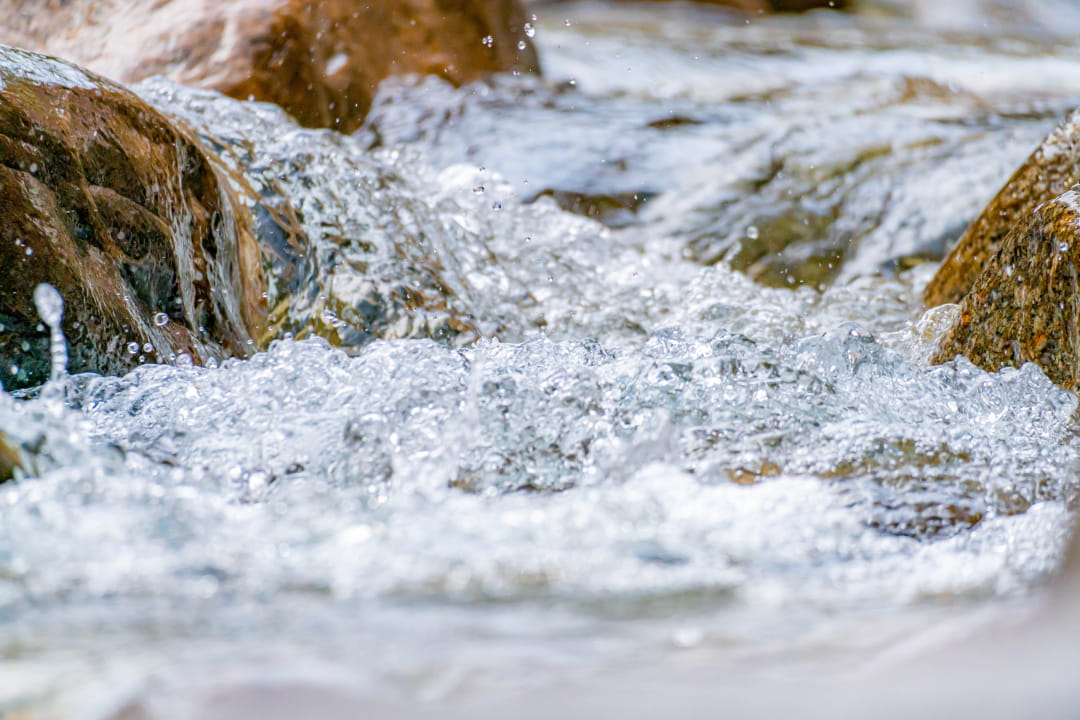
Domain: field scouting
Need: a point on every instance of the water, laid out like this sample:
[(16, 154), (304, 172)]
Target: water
[(506, 443)]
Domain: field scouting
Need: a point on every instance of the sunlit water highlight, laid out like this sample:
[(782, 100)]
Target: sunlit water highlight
[(588, 447)]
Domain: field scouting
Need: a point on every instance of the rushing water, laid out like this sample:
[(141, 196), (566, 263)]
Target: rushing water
[(587, 443)]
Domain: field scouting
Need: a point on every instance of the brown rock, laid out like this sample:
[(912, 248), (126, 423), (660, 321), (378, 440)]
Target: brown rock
[(1025, 305), (1050, 171), (122, 211), (321, 60), (9, 460)]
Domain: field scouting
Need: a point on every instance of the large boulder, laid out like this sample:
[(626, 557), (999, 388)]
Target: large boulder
[(1050, 171), (321, 60), (123, 212), (1025, 304)]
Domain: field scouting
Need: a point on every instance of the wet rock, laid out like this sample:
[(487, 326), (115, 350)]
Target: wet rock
[(123, 212), (1050, 171), (1025, 305), (319, 59)]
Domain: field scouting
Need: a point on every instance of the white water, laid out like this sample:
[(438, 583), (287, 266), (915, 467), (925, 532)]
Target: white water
[(652, 455)]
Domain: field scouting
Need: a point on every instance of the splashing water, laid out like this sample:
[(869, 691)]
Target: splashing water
[(50, 307), (544, 445)]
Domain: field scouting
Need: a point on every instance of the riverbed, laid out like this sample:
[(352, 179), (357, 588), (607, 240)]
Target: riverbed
[(667, 403)]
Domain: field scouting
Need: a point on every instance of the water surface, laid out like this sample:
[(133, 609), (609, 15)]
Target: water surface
[(580, 374)]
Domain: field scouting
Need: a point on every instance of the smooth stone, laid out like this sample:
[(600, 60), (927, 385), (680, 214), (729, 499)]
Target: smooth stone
[(321, 60), (121, 210)]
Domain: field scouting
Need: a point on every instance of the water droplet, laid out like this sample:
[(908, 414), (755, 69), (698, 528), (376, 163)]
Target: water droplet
[(133, 348), (521, 45), (50, 305), (488, 41), (161, 319), (530, 31), (147, 347), (752, 232), (688, 637)]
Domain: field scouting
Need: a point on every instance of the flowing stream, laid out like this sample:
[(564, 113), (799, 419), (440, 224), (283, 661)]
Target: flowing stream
[(665, 389)]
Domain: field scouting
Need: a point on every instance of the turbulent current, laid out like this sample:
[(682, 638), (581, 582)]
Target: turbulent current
[(667, 386)]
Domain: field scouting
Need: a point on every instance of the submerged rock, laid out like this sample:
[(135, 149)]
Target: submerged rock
[(1049, 172), (1025, 305), (122, 211), (321, 60)]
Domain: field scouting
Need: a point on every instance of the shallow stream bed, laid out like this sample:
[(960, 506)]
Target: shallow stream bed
[(667, 403)]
